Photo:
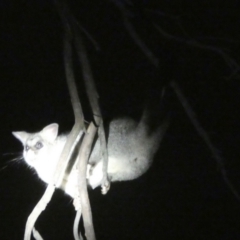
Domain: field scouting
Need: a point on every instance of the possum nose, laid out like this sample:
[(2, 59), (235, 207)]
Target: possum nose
[(29, 155)]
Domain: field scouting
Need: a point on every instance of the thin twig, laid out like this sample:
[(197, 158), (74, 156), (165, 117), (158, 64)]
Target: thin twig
[(77, 235), (136, 38), (72, 141), (203, 134), (83, 158), (82, 168), (93, 99), (90, 37), (233, 65), (41, 205), (71, 26), (36, 234)]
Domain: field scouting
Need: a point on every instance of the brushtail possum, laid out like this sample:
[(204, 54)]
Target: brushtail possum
[(131, 148)]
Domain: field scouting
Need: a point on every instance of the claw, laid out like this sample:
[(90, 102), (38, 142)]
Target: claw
[(105, 186)]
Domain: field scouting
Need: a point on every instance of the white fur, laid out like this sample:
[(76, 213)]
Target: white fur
[(44, 160), (130, 150)]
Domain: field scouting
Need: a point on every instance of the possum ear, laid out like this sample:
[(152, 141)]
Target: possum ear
[(50, 132), (21, 136)]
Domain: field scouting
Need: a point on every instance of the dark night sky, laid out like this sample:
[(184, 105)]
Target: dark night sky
[(183, 195)]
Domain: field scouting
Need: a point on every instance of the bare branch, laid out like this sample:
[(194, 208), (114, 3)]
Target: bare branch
[(77, 108), (233, 65), (82, 168), (203, 134), (37, 235), (72, 141), (93, 99), (89, 36), (84, 151), (132, 32), (71, 27), (41, 205), (77, 235)]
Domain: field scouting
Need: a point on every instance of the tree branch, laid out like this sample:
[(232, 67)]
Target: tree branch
[(233, 65), (93, 99), (203, 134), (136, 38)]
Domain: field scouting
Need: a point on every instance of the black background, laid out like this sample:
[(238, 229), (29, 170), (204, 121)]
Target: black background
[(183, 195)]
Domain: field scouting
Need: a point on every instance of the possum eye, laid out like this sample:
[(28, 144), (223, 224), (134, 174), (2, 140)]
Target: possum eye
[(38, 145), (27, 148)]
